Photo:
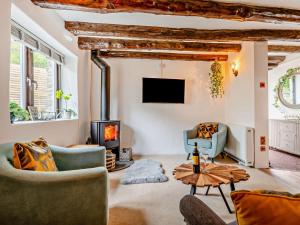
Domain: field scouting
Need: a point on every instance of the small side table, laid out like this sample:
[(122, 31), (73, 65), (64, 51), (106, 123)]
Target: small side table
[(214, 175)]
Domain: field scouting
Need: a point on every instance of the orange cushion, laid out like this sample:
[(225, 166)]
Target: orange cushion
[(266, 208), (206, 130), (35, 155)]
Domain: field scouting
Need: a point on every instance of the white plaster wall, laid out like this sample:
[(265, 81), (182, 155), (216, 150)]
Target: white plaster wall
[(273, 77), (157, 128), (245, 102), (239, 96), (60, 133), (261, 103)]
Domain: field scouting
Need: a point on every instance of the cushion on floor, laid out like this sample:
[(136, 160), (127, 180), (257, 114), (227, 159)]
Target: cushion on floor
[(202, 143)]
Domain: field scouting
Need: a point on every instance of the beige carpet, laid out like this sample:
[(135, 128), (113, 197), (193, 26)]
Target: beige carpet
[(158, 204)]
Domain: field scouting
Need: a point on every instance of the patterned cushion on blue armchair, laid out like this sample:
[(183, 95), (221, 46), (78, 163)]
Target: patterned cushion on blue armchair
[(202, 143)]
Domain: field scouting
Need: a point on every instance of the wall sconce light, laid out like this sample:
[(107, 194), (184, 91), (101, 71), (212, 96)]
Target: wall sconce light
[(234, 67)]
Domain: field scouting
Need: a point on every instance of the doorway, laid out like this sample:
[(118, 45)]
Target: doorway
[(284, 115)]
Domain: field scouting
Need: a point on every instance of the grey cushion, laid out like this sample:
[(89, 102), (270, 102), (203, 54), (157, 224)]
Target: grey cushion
[(202, 143), (195, 212)]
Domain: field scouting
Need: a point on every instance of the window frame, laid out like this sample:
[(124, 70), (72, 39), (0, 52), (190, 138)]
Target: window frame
[(27, 77)]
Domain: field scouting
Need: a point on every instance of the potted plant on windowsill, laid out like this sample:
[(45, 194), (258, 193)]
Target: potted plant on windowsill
[(66, 113), (17, 113)]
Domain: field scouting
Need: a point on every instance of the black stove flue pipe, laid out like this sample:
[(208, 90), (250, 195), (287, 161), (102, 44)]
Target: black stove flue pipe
[(105, 85)]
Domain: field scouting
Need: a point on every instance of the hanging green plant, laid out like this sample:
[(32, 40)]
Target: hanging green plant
[(216, 80), (283, 82)]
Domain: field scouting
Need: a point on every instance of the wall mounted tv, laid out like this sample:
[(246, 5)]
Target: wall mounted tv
[(158, 90)]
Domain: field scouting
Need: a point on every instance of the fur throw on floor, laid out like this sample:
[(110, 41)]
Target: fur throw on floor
[(144, 171)]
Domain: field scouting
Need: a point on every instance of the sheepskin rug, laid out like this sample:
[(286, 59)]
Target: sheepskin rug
[(144, 171)]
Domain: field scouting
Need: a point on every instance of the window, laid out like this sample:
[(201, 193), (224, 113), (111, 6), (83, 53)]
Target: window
[(16, 73), (35, 72), (43, 81)]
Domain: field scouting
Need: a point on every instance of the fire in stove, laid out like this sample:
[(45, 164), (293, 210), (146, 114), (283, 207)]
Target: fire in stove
[(111, 133)]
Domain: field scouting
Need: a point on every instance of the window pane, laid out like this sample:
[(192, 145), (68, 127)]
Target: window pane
[(43, 69), (15, 82)]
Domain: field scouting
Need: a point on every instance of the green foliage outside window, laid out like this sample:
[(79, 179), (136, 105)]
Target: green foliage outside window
[(15, 53), (40, 61)]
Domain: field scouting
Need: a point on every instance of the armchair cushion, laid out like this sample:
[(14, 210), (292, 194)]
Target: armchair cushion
[(251, 207), (35, 155), (202, 143), (78, 158), (206, 130)]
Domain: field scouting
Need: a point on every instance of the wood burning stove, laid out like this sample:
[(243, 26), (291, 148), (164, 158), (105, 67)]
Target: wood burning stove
[(105, 132)]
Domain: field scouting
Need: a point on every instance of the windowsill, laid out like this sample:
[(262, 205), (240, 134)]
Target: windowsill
[(42, 121)]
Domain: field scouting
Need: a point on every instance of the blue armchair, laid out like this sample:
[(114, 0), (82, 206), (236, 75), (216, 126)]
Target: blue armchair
[(212, 147), (75, 195)]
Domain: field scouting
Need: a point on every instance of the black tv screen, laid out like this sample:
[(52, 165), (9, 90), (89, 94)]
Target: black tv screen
[(158, 90)]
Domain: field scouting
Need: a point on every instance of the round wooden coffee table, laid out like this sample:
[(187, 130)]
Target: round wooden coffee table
[(214, 175)]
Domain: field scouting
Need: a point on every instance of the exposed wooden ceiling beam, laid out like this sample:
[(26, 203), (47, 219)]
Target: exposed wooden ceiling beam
[(184, 34), (205, 8), (276, 59), (160, 56), (284, 48), (91, 43), (272, 65)]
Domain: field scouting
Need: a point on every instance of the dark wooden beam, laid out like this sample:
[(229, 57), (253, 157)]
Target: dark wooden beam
[(160, 56), (276, 59), (183, 34), (204, 8), (90, 43), (284, 48), (272, 65)]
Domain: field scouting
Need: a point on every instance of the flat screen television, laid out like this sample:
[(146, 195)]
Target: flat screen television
[(158, 90)]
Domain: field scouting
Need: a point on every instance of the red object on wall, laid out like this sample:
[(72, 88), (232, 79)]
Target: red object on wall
[(262, 148), (262, 84), (263, 140)]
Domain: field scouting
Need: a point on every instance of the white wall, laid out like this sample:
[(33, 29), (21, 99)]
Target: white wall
[(239, 96), (157, 128), (59, 132), (245, 102), (273, 77), (261, 103)]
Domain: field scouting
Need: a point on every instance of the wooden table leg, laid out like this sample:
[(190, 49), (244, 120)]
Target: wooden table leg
[(226, 203), (207, 190), (193, 190)]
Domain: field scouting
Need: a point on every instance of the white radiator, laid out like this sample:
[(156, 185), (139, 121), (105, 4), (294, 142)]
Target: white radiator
[(240, 144)]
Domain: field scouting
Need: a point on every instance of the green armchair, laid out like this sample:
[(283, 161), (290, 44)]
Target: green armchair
[(75, 195), (213, 147)]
